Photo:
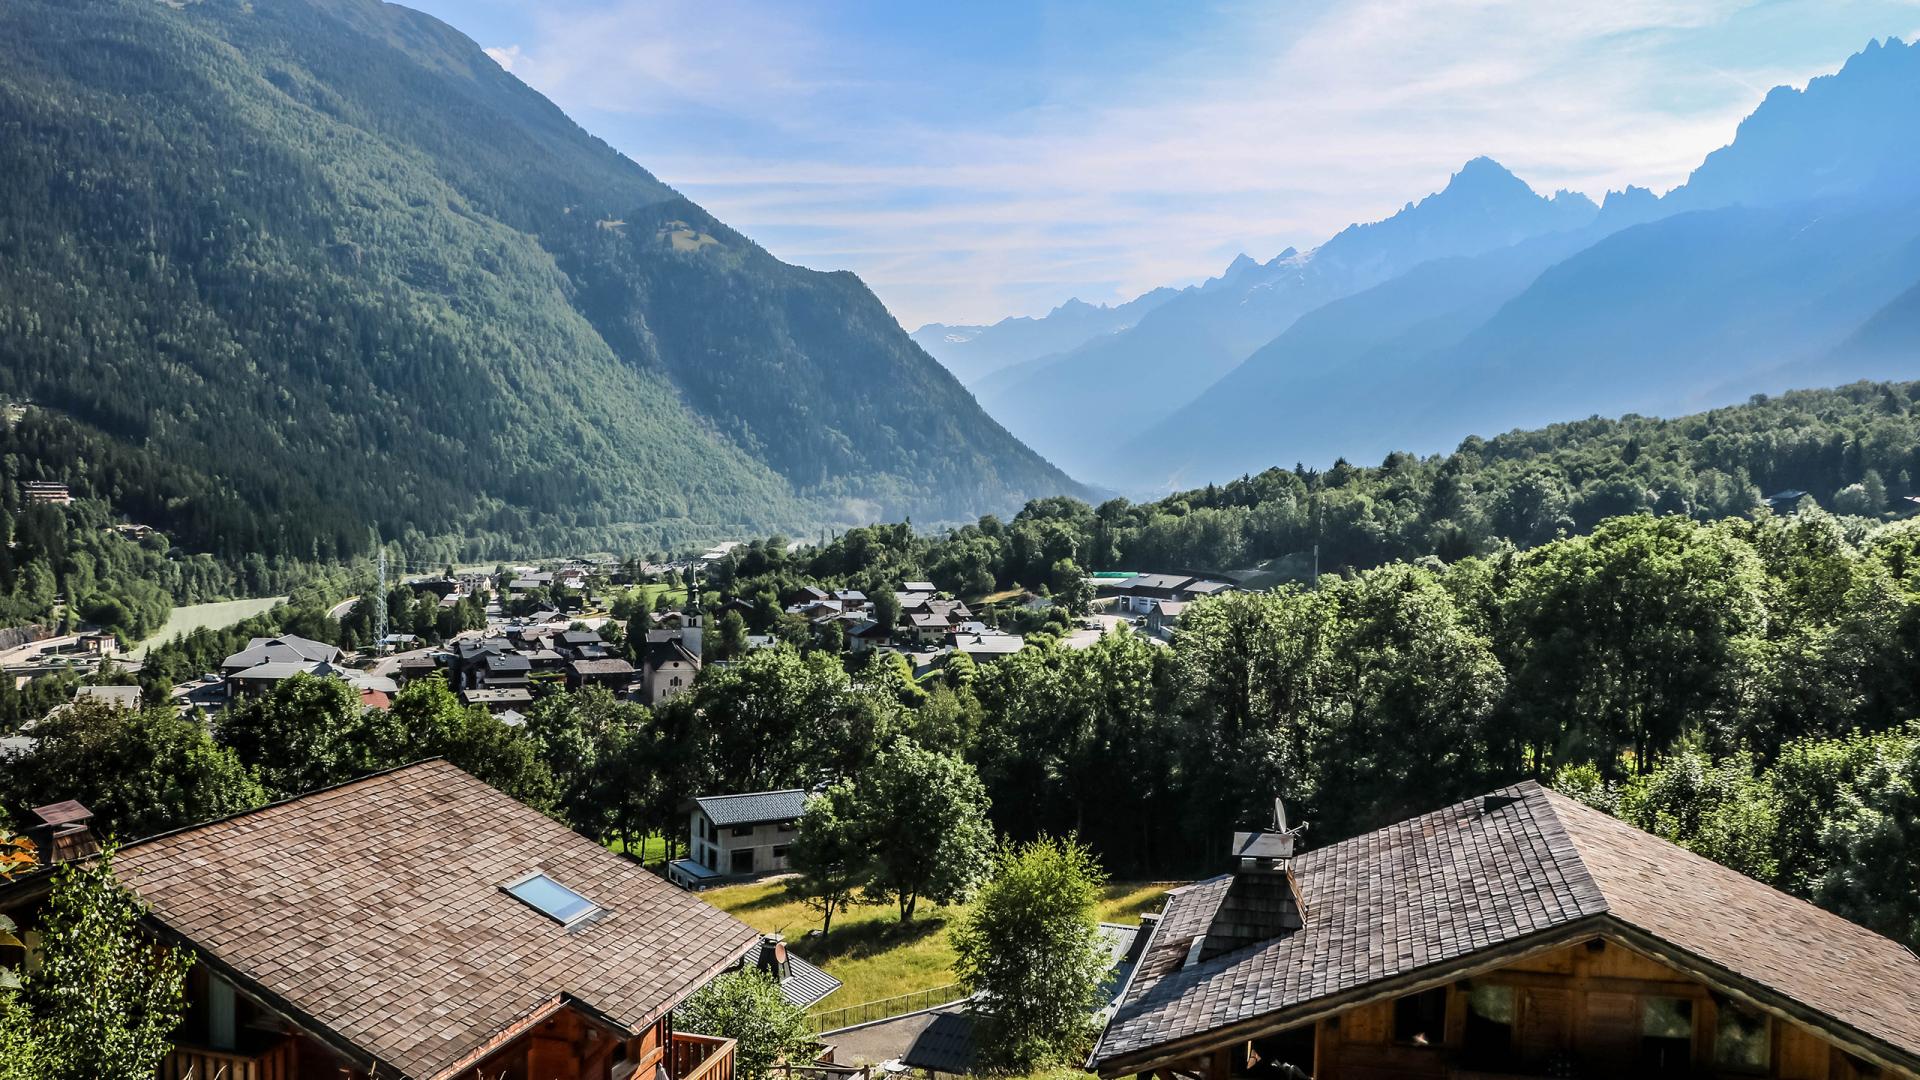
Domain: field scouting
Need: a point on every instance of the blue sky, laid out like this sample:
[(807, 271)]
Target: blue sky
[(983, 159)]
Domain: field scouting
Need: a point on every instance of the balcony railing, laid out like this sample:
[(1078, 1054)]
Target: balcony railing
[(200, 1063), (700, 1057)]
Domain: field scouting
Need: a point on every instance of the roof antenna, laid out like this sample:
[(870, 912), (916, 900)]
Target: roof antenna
[(1280, 819)]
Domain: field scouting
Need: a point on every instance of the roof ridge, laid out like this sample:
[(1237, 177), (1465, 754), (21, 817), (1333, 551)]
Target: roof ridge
[(1588, 887)]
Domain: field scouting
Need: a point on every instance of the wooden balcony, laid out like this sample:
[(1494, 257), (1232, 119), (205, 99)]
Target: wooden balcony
[(275, 1062), (700, 1057)]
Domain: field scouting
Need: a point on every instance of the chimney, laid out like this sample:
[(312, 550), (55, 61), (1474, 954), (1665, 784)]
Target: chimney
[(773, 956), (62, 833), (1147, 925), (1263, 899)]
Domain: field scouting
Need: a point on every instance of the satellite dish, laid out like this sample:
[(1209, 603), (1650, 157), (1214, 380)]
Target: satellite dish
[(1279, 814)]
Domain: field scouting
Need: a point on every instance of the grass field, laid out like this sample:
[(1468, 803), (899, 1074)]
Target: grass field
[(184, 620), (650, 851), (871, 952)]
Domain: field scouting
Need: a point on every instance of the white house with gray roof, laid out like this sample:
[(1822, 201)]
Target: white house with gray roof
[(738, 836)]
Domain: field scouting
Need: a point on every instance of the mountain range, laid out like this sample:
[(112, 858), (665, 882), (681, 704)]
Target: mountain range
[(343, 274), (974, 353), (1790, 257)]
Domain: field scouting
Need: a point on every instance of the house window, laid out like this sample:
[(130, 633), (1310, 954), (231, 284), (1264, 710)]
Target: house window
[(741, 861), (550, 898), (1488, 1036), (1421, 1019), (1740, 1041), (1666, 1034), (779, 852), (787, 826)]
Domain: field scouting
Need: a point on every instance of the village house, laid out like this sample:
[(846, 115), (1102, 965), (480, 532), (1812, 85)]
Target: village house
[(1139, 593), (499, 702), (419, 925), (375, 691), (1517, 934), (985, 645), (46, 491), (736, 836), (1164, 615), (612, 673), (287, 647)]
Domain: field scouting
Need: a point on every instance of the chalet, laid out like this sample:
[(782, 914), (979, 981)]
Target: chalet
[(918, 587), (735, 836), (43, 491), (500, 701), (1138, 593), (582, 644), (745, 608), (927, 627), (611, 672), (668, 664), (988, 645), (288, 648), (815, 609), (125, 697), (913, 600), (501, 670), (1517, 934), (807, 594), (1164, 615), (419, 925), (376, 691), (866, 635), (528, 582)]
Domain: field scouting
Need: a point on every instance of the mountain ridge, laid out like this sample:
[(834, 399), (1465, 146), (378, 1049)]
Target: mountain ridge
[(361, 279), (1813, 198), (1204, 332)]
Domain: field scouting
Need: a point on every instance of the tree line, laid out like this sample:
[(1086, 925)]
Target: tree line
[(1618, 657)]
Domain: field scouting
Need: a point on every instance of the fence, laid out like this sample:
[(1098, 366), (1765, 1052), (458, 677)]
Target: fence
[(885, 1008)]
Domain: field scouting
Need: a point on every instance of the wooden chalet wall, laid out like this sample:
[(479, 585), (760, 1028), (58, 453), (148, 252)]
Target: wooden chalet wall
[(567, 1045), (1580, 1006)]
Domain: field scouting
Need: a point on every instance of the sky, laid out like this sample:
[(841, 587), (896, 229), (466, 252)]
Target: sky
[(973, 161)]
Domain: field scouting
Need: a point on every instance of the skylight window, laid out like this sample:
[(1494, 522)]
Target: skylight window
[(552, 899)]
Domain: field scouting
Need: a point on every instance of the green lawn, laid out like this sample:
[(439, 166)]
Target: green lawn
[(676, 594), (185, 620), (871, 952), (651, 850)]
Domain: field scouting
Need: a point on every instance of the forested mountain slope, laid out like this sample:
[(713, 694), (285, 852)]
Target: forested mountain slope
[(333, 262)]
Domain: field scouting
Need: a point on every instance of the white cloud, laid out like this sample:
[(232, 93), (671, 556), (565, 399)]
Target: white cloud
[(506, 56), (1261, 127)]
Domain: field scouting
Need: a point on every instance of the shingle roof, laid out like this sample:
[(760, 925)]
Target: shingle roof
[(374, 912), (1442, 887), (754, 808), (601, 667), (289, 648)]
